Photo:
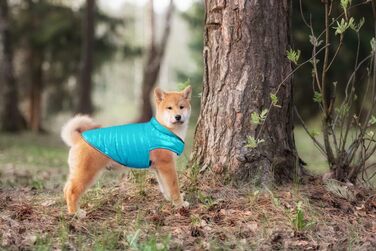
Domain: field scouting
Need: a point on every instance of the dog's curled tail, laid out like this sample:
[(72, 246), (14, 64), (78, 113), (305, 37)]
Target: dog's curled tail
[(71, 131)]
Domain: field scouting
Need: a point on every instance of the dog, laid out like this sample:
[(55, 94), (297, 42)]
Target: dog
[(86, 160)]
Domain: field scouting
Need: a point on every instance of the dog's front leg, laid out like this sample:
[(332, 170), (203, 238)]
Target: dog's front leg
[(162, 186), (169, 180), (164, 163)]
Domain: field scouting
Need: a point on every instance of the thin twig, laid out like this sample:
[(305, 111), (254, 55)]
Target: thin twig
[(317, 144), (336, 53), (326, 92), (302, 15), (349, 81)]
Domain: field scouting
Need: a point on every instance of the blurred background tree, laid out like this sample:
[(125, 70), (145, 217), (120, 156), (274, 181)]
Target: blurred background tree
[(11, 118), (154, 58), (48, 50), (84, 90), (47, 41), (195, 19)]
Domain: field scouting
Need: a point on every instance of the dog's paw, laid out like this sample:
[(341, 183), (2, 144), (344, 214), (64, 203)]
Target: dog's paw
[(182, 204), (185, 204), (80, 214), (166, 196)]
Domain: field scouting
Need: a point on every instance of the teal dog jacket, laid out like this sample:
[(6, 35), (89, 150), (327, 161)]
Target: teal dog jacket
[(130, 144)]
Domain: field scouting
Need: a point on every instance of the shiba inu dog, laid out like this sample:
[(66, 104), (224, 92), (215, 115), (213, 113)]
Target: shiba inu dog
[(163, 137)]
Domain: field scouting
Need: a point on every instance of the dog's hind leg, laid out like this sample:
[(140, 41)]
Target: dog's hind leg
[(87, 164)]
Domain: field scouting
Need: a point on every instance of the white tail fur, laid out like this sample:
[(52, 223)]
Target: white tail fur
[(71, 131)]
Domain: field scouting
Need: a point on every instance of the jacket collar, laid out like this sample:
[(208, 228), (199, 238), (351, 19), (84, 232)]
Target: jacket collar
[(163, 129)]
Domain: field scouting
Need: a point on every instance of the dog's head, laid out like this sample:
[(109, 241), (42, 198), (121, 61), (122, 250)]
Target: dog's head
[(173, 108)]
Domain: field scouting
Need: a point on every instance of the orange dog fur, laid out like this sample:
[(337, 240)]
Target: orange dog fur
[(86, 163)]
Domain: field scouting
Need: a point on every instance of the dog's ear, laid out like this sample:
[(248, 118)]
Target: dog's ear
[(187, 92), (159, 94)]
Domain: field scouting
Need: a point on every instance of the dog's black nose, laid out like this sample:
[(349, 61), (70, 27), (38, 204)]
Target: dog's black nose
[(178, 117)]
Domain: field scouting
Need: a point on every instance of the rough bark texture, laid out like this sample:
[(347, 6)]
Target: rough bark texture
[(11, 118), (154, 58), (245, 45), (84, 102)]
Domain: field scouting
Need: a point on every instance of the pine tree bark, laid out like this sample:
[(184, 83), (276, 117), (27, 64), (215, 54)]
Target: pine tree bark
[(245, 45), (11, 118), (154, 58), (85, 85)]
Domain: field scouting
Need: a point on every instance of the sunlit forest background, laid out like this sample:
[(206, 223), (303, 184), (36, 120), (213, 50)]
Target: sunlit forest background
[(47, 38), (45, 43), (121, 38)]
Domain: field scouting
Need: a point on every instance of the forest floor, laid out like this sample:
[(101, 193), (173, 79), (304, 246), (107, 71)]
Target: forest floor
[(124, 210)]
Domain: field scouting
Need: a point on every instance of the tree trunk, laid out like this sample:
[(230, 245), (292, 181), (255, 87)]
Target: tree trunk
[(245, 45), (153, 62), (36, 90), (84, 102), (150, 76), (11, 118)]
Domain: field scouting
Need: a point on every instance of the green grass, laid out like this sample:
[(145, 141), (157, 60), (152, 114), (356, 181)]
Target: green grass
[(37, 151), (36, 161), (32, 160)]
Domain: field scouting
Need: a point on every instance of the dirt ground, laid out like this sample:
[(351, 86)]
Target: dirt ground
[(129, 216), (125, 210)]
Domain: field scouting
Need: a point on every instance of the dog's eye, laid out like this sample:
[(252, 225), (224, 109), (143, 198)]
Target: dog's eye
[(170, 108), (181, 107)]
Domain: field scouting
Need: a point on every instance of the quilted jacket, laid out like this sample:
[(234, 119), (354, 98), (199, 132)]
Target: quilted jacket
[(130, 144)]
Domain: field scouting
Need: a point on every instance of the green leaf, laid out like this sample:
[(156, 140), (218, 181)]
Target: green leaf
[(313, 40), (255, 118), (351, 23), (263, 115), (342, 110), (314, 133), (317, 97), (345, 5), (252, 142), (372, 120), (360, 24), (293, 56), (355, 27), (274, 99), (299, 221), (342, 26), (183, 85)]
